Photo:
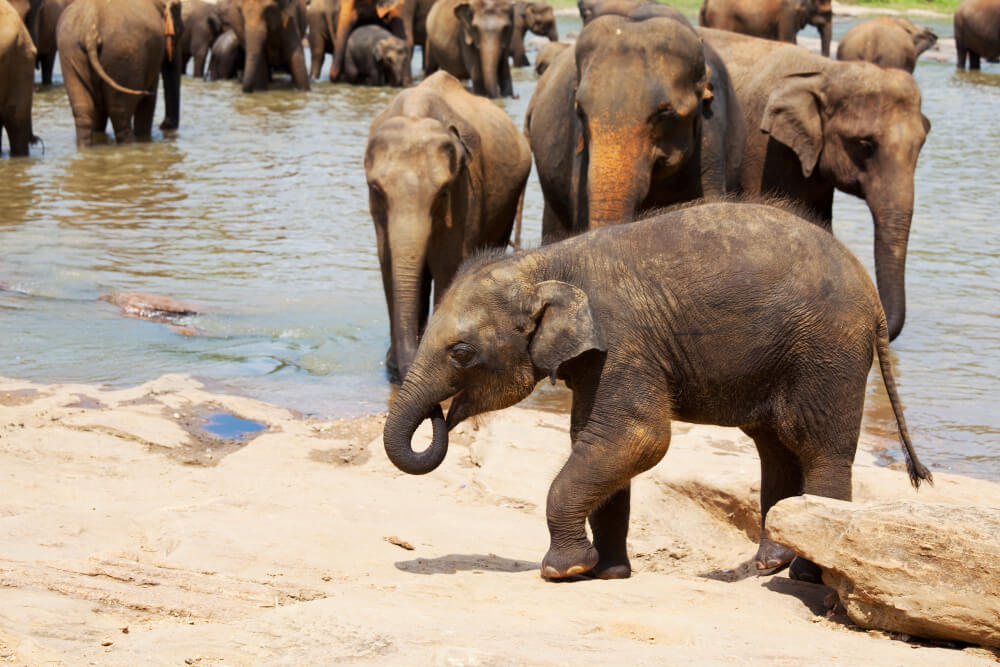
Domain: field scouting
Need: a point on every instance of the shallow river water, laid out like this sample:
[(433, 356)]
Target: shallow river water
[(257, 211)]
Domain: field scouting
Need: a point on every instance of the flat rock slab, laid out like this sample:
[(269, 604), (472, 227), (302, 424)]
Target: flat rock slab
[(930, 570)]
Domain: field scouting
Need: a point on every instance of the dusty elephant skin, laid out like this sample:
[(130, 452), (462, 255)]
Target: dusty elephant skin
[(111, 55), (270, 32), (537, 17), (690, 316), (17, 86), (887, 41), (815, 125), (470, 39), (375, 57), (202, 26), (445, 171), (977, 32), (778, 20), (548, 54), (930, 570), (611, 139)]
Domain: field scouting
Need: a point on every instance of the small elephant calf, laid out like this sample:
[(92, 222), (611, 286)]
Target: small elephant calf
[(733, 314), (375, 57)]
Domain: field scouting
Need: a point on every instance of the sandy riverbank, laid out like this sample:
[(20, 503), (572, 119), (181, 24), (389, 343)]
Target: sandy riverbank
[(131, 536)]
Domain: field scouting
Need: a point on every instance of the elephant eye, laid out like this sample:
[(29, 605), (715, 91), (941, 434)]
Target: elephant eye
[(867, 147), (375, 190), (665, 114), (462, 354)]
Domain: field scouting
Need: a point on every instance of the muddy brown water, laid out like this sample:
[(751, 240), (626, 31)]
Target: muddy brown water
[(256, 210)]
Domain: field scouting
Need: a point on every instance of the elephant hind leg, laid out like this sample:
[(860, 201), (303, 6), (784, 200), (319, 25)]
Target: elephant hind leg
[(973, 60), (780, 478), (609, 524), (144, 111)]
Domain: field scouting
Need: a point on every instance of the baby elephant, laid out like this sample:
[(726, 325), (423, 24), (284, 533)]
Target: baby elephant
[(690, 315), (375, 57), (887, 41)]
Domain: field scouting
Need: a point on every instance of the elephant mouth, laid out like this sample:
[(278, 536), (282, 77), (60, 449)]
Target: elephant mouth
[(458, 410)]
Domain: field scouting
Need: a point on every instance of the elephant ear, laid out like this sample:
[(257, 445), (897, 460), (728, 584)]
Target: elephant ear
[(565, 326), (792, 117)]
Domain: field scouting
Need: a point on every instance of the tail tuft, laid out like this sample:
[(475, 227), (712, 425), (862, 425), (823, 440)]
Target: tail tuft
[(918, 472)]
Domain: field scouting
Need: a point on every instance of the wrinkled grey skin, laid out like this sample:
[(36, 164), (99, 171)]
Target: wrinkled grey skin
[(537, 17), (112, 52), (17, 81), (638, 115), (226, 61), (887, 41), (375, 57), (202, 25), (445, 171), (815, 125), (470, 39), (690, 315), (977, 32)]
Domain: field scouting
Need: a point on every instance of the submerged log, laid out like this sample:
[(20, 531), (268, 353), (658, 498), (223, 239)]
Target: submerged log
[(930, 570), (153, 307)]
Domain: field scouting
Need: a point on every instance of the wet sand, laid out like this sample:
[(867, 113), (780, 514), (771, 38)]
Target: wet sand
[(131, 535)]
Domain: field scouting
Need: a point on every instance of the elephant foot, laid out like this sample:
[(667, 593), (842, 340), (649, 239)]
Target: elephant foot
[(805, 570), (168, 124), (607, 569), (563, 563), (772, 557), (391, 367)]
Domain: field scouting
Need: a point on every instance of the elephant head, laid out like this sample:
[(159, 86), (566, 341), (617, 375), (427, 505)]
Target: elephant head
[(391, 59), (486, 356), (486, 28), (923, 38), (269, 29), (860, 127), (418, 188), (641, 92), (541, 20)]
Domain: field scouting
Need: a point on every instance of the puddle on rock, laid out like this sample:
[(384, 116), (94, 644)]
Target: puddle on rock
[(231, 427)]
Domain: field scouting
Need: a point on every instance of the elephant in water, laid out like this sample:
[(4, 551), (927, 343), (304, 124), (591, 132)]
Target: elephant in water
[(887, 41), (17, 81), (270, 32), (779, 20), (691, 315), (638, 115), (536, 16), (815, 125), (112, 52), (45, 36), (446, 170), (977, 32), (470, 39), (375, 57), (203, 22)]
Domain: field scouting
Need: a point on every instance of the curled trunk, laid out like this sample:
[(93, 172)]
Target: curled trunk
[(408, 411)]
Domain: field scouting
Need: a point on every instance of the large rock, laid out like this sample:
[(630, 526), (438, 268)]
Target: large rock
[(931, 570)]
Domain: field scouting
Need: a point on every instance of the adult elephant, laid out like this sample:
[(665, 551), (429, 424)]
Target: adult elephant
[(977, 31), (321, 15), (270, 32), (887, 41), (816, 125), (548, 54), (779, 20), (733, 314), (638, 115), (470, 39), (445, 172), (202, 26), (536, 16), (17, 81), (112, 52), (45, 36), (396, 15)]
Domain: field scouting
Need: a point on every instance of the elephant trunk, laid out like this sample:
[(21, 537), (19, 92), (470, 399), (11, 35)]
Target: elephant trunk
[(826, 36), (617, 178), (490, 53), (255, 69), (408, 240), (408, 411), (892, 231)]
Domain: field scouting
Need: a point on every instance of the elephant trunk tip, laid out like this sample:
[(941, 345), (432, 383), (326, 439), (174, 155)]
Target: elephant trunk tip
[(397, 441)]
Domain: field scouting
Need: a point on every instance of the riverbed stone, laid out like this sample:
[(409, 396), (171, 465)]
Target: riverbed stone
[(930, 570)]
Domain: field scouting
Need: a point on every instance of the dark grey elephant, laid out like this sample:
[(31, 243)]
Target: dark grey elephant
[(639, 115), (536, 16), (778, 20), (17, 81), (375, 57), (470, 39), (270, 32), (690, 315), (45, 36), (815, 125), (886, 41), (977, 32), (112, 53), (202, 26), (445, 172), (226, 61)]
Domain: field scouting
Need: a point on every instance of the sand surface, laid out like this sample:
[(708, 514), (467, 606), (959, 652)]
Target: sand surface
[(129, 535)]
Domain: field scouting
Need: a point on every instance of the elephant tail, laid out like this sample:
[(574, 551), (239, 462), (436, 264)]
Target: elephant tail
[(95, 62), (914, 467)]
